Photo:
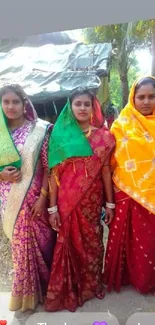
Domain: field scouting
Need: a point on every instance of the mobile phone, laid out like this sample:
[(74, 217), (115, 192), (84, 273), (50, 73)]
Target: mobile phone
[(103, 214)]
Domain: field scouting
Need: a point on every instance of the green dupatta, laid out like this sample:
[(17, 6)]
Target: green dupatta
[(67, 139), (9, 155)]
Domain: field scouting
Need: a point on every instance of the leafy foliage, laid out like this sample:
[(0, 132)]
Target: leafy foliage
[(125, 38), (115, 83)]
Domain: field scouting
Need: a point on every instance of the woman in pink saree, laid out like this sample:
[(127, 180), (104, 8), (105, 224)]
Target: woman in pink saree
[(79, 151), (24, 196)]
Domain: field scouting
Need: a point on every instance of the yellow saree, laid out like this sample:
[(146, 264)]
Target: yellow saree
[(134, 157)]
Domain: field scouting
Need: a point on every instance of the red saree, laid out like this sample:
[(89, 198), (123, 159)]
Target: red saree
[(130, 254), (76, 274)]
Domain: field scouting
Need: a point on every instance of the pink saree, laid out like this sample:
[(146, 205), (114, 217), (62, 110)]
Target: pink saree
[(32, 241)]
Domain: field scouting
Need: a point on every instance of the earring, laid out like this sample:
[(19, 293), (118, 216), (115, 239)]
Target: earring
[(91, 118), (24, 111)]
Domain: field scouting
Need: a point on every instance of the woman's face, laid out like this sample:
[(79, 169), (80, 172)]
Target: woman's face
[(82, 107), (145, 99), (12, 106)]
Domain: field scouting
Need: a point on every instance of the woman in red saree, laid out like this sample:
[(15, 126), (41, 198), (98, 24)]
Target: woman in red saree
[(130, 255), (79, 153)]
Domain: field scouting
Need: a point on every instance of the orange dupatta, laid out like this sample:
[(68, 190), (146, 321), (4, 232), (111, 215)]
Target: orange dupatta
[(134, 157)]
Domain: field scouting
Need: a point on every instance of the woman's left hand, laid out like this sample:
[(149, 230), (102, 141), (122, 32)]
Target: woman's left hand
[(109, 214), (38, 207)]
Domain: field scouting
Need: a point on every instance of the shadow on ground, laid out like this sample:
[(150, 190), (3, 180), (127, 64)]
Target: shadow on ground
[(121, 305)]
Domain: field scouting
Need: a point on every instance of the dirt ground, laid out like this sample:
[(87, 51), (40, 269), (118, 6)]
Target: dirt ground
[(122, 305), (5, 262)]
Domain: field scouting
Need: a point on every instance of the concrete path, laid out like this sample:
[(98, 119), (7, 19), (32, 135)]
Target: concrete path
[(121, 305)]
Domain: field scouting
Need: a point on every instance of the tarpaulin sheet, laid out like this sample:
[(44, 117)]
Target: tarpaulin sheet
[(50, 72)]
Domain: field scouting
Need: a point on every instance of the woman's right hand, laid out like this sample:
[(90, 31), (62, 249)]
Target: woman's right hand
[(11, 174), (54, 220)]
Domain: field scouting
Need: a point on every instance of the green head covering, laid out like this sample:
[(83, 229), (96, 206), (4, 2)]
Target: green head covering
[(67, 139), (9, 155)]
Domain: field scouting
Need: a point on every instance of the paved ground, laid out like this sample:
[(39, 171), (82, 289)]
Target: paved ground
[(121, 305)]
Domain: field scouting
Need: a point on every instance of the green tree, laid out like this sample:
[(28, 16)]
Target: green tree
[(115, 89), (147, 30), (115, 83), (153, 51), (133, 72), (125, 39)]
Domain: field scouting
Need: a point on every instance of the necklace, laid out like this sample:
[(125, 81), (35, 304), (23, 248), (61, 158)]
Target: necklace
[(89, 132)]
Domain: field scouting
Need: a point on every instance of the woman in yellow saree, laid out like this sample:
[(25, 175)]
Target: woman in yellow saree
[(130, 255)]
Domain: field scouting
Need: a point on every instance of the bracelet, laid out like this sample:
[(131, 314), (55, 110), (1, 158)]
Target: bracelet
[(52, 209), (44, 192), (110, 205)]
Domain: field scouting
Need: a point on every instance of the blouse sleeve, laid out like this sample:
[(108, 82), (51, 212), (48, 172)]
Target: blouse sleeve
[(44, 150)]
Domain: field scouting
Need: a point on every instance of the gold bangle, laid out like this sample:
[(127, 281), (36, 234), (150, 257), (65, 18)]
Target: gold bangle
[(44, 192)]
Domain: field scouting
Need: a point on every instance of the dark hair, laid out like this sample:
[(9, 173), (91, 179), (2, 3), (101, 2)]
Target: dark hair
[(15, 88), (80, 92), (145, 81)]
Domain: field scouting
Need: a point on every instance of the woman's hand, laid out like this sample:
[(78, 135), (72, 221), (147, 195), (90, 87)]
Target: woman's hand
[(11, 174), (39, 207), (54, 220), (109, 214)]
